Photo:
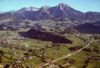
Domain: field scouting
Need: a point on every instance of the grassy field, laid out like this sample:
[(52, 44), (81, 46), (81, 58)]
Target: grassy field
[(88, 58)]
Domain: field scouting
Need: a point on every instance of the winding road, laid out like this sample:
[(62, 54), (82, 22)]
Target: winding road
[(70, 54)]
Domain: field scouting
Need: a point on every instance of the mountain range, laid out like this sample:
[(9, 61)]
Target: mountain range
[(62, 14)]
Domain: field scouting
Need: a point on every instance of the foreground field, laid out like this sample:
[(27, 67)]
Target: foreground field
[(19, 52)]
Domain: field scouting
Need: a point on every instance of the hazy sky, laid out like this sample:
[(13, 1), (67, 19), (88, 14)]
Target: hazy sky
[(82, 5)]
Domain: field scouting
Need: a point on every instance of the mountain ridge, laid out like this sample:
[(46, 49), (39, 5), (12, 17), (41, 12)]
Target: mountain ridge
[(62, 13), (55, 12)]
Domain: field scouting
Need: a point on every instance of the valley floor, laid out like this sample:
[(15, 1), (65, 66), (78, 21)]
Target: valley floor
[(20, 52)]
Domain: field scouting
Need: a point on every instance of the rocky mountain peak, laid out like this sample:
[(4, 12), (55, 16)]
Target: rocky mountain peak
[(45, 9), (28, 9), (63, 6)]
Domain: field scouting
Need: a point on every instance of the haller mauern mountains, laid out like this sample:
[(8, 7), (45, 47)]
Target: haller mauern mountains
[(57, 18)]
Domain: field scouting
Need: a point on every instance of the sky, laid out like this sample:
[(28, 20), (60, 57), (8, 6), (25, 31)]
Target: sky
[(81, 5)]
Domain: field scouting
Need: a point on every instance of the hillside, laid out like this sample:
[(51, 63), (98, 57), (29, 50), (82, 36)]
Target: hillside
[(47, 18)]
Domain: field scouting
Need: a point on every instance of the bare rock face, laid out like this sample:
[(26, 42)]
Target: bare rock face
[(55, 12), (61, 12), (45, 36)]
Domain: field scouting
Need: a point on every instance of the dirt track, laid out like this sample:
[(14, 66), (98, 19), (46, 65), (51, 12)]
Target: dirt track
[(70, 54)]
